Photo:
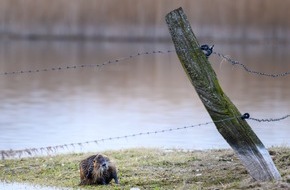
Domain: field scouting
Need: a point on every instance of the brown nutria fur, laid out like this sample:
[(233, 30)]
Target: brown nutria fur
[(97, 170)]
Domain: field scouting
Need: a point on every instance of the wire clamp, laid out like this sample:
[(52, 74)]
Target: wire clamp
[(206, 50), (245, 116)]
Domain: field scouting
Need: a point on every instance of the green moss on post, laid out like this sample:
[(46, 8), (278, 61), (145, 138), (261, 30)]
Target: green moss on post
[(236, 132)]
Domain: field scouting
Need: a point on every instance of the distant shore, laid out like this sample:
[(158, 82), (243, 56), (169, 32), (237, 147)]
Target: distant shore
[(213, 20)]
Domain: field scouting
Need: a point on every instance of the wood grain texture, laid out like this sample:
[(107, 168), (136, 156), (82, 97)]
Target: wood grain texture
[(239, 135)]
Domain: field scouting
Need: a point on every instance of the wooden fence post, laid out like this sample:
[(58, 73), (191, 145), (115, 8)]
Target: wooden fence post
[(239, 135)]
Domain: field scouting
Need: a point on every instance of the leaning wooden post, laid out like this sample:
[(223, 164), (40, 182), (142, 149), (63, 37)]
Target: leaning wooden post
[(236, 131)]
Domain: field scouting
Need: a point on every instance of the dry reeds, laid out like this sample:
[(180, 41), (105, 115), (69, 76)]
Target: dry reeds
[(226, 19)]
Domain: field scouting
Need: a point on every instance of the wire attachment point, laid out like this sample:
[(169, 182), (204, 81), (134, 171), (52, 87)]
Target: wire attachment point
[(245, 116), (206, 49)]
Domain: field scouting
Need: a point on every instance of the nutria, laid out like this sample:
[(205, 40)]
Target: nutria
[(98, 170)]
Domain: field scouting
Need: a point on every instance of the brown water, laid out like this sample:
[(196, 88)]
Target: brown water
[(143, 94), (146, 93)]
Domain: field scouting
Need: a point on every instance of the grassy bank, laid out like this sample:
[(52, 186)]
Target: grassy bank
[(150, 169)]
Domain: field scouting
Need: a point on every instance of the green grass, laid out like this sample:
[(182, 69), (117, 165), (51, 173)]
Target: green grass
[(149, 169)]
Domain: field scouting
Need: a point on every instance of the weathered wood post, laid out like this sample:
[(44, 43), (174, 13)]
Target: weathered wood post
[(248, 147)]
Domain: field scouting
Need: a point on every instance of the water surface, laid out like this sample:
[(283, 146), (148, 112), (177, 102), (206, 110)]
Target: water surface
[(24, 186), (146, 93)]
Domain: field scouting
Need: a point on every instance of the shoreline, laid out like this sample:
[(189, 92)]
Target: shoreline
[(148, 168)]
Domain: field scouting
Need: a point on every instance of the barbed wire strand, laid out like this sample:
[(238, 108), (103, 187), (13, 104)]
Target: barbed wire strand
[(269, 119), (31, 151), (233, 62), (52, 149), (68, 67), (59, 68)]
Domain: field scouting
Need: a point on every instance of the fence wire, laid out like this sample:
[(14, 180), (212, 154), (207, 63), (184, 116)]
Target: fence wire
[(68, 67), (51, 149), (31, 151), (233, 62), (270, 119)]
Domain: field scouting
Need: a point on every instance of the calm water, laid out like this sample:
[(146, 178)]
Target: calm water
[(24, 186), (143, 94)]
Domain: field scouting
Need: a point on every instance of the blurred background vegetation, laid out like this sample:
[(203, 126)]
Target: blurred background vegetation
[(223, 20)]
